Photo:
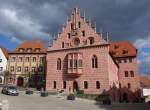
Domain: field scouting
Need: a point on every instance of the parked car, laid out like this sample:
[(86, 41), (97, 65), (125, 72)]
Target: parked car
[(10, 90)]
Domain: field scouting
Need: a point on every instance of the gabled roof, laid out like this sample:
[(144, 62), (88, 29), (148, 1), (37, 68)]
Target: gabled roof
[(5, 51), (145, 81), (30, 45), (122, 49)]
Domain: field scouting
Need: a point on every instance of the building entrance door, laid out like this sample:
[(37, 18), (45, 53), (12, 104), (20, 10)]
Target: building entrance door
[(20, 81), (75, 86)]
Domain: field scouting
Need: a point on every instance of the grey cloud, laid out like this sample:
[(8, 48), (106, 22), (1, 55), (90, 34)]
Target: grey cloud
[(40, 19)]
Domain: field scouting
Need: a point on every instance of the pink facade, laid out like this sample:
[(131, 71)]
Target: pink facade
[(79, 59)]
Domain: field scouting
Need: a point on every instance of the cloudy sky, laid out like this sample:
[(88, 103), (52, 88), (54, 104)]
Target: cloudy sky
[(41, 19)]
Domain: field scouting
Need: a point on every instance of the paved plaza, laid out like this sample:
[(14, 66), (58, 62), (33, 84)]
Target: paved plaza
[(35, 102)]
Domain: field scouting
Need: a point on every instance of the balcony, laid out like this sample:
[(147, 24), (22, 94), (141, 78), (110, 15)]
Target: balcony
[(75, 68)]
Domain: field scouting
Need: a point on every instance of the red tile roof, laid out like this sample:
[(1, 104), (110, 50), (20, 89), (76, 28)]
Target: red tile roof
[(5, 51), (145, 81), (30, 45), (122, 49)]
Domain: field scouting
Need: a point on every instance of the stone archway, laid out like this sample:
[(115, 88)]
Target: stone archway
[(20, 81), (75, 86)]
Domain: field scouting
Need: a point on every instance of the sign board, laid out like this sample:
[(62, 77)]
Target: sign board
[(146, 92)]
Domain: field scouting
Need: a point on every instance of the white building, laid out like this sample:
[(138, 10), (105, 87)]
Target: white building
[(3, 63)]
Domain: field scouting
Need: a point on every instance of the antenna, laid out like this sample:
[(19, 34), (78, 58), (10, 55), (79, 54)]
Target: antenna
[(84, 16), (95, 26), (107, 35), (101, 32), (89, 21)]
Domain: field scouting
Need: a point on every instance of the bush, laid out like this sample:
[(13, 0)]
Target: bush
[(71, 97), (88, 96), (29, 92), (44, 94)]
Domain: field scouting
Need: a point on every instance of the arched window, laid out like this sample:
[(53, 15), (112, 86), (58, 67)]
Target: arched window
[(58, 64), (85, 85), (76, 41), (54, 84), (129, 85), (91, 39), (97, 85), (64, 85), (94, 62)]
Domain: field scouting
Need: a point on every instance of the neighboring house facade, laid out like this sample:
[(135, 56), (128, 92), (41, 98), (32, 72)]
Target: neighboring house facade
[(3, 63), (27, 63), (81, 59)]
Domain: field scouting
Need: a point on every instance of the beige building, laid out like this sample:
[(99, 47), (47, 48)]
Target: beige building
[(27, 64)]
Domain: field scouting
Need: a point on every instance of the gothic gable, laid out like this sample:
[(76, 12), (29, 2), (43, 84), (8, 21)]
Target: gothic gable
[(77, 33)]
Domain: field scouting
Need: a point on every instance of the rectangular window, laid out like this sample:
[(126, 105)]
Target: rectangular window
[(26, 69), (132, 73), (27, 59), (54, 85), (34, 59), (69, 35), (40, 69), (75, 63), (41, 59), (126, 73), (79, 24), (33, 69), (19, 69), (85, 85), (71, 26), (64, 84), (129, 85), (0, 60), (13, 59), (20, 59), (12, 68), (71, 63), (63, 45), (130, 60), (80, 63)]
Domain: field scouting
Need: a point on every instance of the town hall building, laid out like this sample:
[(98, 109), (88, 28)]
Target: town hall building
[(81, 59)]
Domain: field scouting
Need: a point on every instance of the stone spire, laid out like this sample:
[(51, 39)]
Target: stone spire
[(75, 16)]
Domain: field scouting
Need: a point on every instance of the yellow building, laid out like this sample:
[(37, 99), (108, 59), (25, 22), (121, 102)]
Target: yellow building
[(26, 64)]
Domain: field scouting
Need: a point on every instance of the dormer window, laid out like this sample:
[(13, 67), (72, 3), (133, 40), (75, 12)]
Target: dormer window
[(37, 50), (125, 51), (116, 46), (21, 49), (29, 50)]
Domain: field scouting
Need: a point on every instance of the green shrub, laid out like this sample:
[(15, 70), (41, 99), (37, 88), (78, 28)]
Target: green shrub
[(29, 92), (71, 97), (44, 94)]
